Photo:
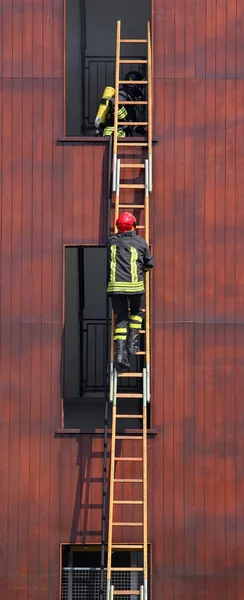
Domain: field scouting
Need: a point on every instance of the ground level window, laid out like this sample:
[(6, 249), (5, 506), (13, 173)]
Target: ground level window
[(81, 574), (84, 335), (90, 54)]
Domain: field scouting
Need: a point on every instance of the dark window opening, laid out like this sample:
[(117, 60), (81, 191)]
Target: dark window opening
[(84, 357), (81, 572), (90, 54)]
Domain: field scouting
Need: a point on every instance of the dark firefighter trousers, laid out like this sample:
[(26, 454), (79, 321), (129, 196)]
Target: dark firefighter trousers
[(121, 304)]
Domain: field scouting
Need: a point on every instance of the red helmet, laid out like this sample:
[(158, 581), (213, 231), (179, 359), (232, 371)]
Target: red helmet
[(125, 222)]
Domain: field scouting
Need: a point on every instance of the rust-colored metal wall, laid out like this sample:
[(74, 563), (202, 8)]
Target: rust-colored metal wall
[(54, 194), (198, 300)]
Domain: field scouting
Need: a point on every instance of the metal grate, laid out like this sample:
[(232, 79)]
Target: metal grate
[(80, 583)]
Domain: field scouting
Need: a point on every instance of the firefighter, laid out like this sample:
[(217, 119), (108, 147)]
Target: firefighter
[(104, 121), (128, 257)]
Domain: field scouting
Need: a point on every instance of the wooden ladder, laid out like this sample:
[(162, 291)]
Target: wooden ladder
[(145, 165)]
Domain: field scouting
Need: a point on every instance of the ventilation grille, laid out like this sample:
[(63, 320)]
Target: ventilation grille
[(84, 583)]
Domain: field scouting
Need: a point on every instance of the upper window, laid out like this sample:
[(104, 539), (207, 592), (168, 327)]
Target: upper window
[(90, 54)]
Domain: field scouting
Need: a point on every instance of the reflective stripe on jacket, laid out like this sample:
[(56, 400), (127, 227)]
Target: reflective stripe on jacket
[(128, 257)]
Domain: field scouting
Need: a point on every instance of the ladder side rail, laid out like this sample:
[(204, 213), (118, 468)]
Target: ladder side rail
[(117, 65), (149, 78), (116, 216), (145, 569), (111, 490), (106, 391), (147, 306)]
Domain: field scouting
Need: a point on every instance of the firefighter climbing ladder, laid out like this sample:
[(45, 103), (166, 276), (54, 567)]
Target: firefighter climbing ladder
[(115, 397)]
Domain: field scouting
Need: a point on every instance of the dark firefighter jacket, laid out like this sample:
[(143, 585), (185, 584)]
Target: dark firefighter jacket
[(128, 258), (125, 113)]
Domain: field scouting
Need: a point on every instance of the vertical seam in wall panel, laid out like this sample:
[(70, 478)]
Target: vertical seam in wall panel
[(215, 336), (174, 83), (235, 332), (204, 296), (31, 334), (163, 354), (1, 206), (225, 279), (22, 51), (12, 22), (1, 40), (184, 308), (10, 339), (194, 302), (42, 333), (51, 399), (18, 533), (64, 69)]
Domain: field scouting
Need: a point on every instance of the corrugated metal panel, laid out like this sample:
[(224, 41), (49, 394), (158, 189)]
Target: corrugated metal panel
[(198, 300), (54, 194), (51, 195)]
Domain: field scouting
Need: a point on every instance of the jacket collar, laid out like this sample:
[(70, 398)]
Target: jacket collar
[(127, 233)]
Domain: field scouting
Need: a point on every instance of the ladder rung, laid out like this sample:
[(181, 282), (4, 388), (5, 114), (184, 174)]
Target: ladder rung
[(130, 374), (127, 569), (142, 41), (136, 186), (132, 102), (129, 416), (118, 524), (128, 480), (128, 437), (127, 61), (132, 144), (128, 546), (133, 123), (140, 227), (132, 166), (126, 82), (134, 458), (141, 330), (131, 206), (126, 593), (141, 352), (127, 395), (128, 502)]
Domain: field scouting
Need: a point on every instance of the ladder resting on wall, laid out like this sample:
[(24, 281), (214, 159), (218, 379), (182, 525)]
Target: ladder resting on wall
[(143, 165)]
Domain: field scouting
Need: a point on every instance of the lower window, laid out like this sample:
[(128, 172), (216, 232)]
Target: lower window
[(81, 573), (84, 334)]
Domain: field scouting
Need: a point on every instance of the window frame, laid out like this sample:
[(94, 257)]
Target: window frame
[(65, 246), (91, 139), (97, 547), (62, 430)]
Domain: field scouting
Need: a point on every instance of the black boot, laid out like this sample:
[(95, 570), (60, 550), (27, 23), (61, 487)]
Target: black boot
[(122, 354), (133, 341)]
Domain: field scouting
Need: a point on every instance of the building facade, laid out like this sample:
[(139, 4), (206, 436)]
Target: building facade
[(54, 193)]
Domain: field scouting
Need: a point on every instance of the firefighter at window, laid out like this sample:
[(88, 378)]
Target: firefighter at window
[(129, 257), (104, 121)]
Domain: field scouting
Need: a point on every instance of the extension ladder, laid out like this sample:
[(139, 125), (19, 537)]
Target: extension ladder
[(144, 375)]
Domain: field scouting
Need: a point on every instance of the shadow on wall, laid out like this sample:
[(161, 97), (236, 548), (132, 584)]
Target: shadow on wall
[(87, 521)]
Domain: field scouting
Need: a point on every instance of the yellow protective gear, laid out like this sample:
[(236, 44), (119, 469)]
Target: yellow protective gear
[(103, 109)]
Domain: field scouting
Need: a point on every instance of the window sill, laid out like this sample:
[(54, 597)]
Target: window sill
[(100, 432), (100, 140)]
